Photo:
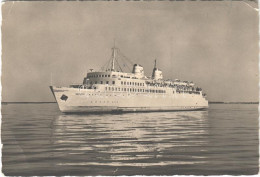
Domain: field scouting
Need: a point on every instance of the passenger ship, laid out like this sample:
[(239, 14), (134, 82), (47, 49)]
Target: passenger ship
[(111, 90)]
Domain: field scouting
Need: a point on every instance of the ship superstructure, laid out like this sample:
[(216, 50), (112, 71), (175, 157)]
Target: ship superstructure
[(112, 90)]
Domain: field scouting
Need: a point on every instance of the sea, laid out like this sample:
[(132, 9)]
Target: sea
[(39, 140)]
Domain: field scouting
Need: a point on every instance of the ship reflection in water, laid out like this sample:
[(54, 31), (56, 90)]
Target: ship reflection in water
[(131, 140), (38, 141)]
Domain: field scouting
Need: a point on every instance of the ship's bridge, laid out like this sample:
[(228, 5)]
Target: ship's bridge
[(112, 78), (112, 74)]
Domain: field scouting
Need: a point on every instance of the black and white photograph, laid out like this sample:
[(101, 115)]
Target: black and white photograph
[(125, 88)]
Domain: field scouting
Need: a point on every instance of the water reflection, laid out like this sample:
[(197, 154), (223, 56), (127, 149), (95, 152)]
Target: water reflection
[(137, 139), (38, 140)]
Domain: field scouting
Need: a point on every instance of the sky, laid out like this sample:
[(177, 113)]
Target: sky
[(214, 44)]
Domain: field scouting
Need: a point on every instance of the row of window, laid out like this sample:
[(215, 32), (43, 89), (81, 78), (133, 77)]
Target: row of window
[(105, 75), (92, 76), (122, 83), (134, 90), (101, 82), (104, 102), (132, 83)]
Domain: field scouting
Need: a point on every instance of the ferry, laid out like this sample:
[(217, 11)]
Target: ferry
[(112, 90)]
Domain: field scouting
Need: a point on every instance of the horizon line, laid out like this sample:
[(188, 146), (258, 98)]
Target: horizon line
[(217, 102)]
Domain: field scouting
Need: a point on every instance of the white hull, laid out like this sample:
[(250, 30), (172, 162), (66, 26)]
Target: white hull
[(91, 101)]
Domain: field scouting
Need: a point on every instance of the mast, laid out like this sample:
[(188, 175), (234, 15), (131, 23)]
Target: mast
[(154, 69), (113, 57)]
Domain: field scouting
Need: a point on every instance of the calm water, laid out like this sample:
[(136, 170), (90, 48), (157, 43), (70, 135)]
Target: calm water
[(39, 140)]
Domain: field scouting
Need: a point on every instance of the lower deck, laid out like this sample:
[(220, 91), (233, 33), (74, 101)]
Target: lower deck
[(73, 100)]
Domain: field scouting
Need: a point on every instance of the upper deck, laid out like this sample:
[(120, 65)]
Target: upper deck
[(119, 80)]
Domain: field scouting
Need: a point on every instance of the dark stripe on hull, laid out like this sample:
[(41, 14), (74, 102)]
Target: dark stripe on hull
[(97, 110)]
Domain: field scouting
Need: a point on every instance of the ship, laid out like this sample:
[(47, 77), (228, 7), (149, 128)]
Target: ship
[(111, 90)]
